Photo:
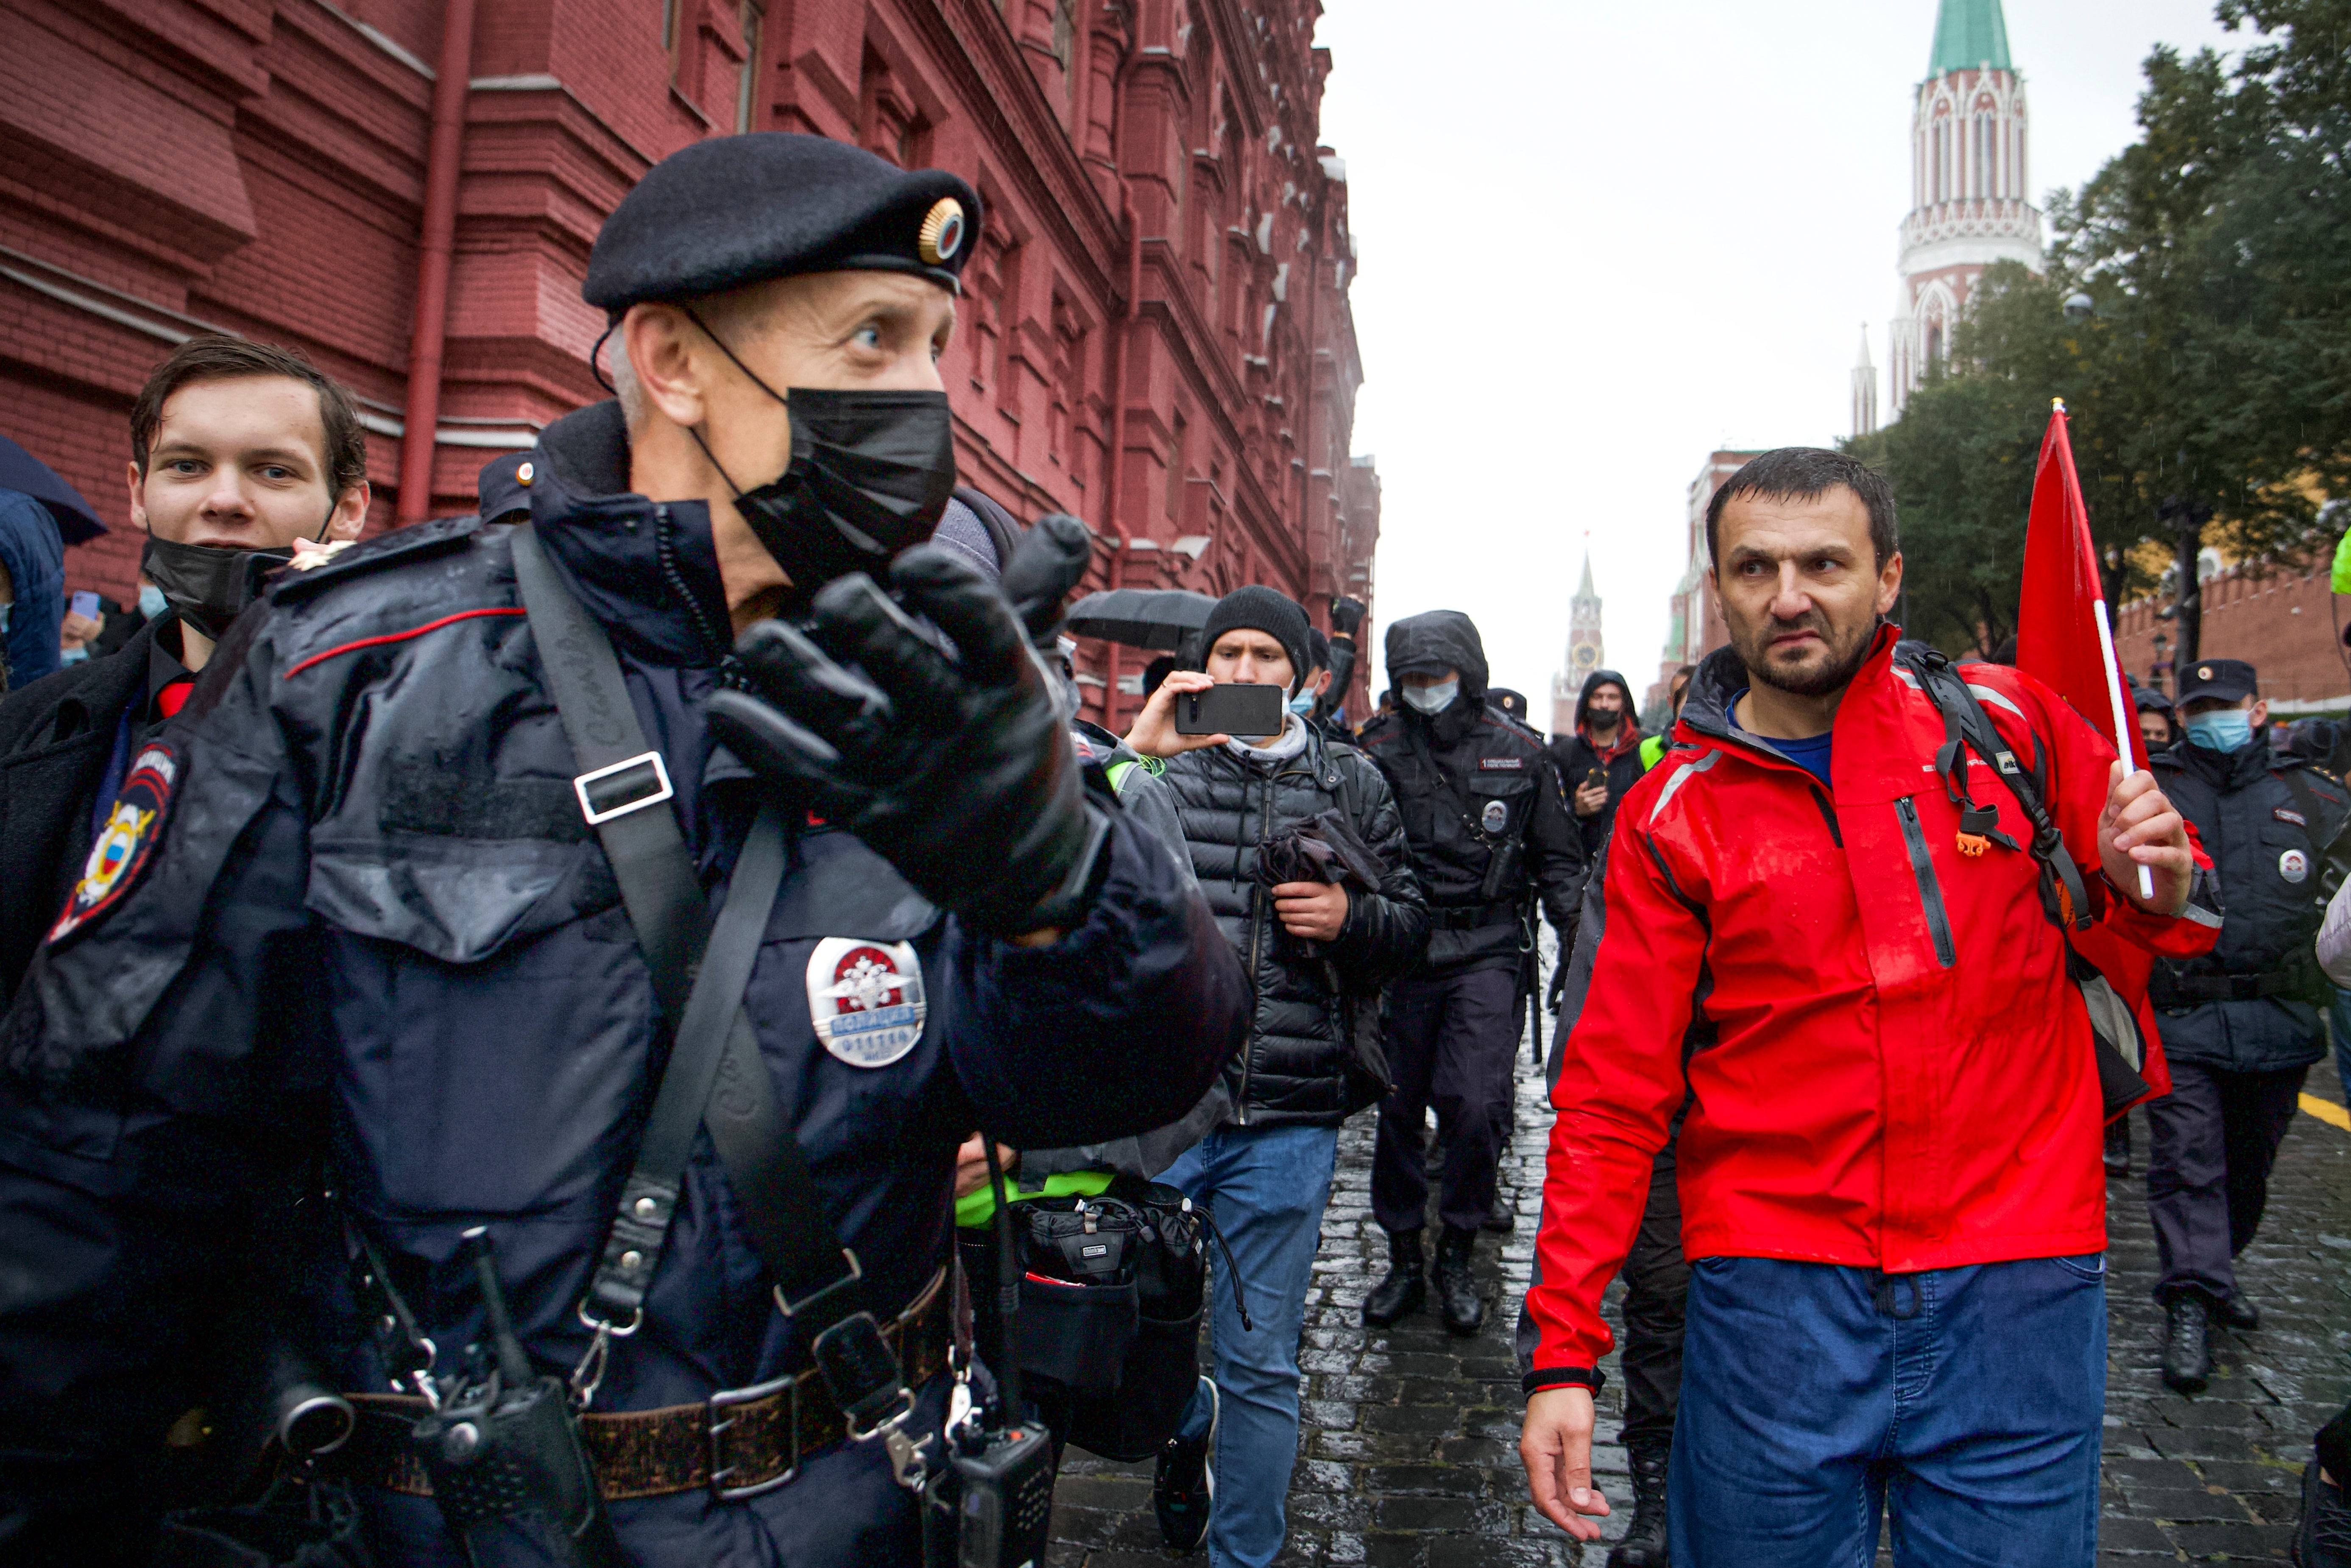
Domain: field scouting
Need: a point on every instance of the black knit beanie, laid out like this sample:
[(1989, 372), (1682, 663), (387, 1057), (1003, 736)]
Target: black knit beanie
[(1261, 608)]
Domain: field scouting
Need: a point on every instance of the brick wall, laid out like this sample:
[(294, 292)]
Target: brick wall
[(2283, 624), (258, 165)]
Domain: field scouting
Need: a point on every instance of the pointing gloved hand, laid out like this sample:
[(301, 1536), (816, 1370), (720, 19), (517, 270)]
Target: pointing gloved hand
[(1050, 561), (952, 767)]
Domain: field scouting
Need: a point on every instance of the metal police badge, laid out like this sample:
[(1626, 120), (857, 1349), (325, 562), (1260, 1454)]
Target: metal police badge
[(1494, 816), (865, 999), (2293, 865), (126, 840)]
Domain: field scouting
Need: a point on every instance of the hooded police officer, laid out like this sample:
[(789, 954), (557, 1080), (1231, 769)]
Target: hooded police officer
[(1491, 836), (2241, 1025), (374, 1022)]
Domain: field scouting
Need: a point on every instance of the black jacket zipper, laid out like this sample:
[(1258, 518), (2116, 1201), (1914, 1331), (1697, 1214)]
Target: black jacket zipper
[(1930, 891)]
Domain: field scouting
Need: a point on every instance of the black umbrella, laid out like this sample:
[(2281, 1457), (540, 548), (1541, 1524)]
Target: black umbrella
[(1141, 617), (20, 470)]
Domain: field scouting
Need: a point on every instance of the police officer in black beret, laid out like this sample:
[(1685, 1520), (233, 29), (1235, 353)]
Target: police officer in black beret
[(555, 959), (2241, 1025)]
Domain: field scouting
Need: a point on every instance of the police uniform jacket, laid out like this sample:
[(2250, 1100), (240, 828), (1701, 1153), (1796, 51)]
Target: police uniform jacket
[(2274, 825), (1475, 787), (1295, 1065), (367, 913)]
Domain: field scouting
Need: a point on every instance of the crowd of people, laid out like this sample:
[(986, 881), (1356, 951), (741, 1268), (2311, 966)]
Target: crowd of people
[(642, 1026)]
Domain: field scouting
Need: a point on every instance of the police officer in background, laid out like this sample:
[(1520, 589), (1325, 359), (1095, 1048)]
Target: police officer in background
[(1489, 836), (2241, 1025), (367, 1028)]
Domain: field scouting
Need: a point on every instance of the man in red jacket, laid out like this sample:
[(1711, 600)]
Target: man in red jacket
[(1892, 1196)]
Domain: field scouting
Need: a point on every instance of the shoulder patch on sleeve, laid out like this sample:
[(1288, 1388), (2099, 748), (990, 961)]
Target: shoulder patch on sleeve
[(412, 543), (127, 840)]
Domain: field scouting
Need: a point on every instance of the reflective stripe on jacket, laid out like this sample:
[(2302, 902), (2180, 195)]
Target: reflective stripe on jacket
[(1885, 1062)]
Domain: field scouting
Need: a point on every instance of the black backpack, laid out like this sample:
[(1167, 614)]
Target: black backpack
[(2121, 1051)]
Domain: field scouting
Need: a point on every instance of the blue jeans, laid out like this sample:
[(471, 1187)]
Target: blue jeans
[(1972, 1400), (1268, 1187)]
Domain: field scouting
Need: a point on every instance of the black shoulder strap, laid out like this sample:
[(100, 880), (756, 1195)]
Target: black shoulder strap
[(700, 986), (1965, 723)]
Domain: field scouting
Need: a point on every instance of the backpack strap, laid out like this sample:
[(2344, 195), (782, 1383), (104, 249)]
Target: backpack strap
[(1967, 726)]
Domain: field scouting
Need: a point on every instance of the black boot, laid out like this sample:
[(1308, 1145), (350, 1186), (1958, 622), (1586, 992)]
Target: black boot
[(1643, 1545), (1404, 1287), (1457, 1300), (2187, 1355), (2118, 1147), (1503, 1218)]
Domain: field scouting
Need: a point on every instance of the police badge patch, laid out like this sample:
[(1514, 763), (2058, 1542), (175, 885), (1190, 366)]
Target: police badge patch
[(126, 840), (1492, 818), (865, 999), (2293, 865)]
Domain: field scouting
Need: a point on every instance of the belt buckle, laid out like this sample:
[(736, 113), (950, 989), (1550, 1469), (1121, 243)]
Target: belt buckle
[(599, 815), (716, 1426)]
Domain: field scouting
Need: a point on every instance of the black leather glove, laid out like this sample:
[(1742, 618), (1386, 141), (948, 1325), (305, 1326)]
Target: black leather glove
[(950, 764), (1050, 561), (1347, 616)]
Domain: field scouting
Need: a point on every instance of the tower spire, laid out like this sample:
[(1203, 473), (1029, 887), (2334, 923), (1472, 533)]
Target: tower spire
[(1968, 33), (1865, 389)]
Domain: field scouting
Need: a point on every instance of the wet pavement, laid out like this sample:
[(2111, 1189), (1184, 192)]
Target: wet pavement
[(1408, 1454)]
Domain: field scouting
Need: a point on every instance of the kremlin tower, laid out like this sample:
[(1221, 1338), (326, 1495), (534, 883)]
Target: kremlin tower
[(1970, 185), (1584, 652)]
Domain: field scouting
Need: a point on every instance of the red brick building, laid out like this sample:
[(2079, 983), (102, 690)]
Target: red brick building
[(1156, 336)]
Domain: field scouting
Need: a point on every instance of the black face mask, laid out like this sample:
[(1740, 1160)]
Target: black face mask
[(871, 473), (209, 585)]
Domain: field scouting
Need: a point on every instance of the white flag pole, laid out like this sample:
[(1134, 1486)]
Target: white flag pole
[(2125, 721)]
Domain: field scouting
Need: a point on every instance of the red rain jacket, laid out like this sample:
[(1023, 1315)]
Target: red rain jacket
[(1885, 1064)]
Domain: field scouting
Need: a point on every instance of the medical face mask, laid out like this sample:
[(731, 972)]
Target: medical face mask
[(1433, 699), (1302, 703), (870, 476), (2230, 729), (209, 585), (151, 602)]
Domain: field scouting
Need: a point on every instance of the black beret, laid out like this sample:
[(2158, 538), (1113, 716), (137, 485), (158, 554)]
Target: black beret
[(733, 210)]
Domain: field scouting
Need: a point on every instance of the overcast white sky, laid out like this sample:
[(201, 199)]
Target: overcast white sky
[(1600, 241)]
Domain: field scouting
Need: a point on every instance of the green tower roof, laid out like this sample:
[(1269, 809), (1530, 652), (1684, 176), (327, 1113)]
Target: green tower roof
[(1967, 34)]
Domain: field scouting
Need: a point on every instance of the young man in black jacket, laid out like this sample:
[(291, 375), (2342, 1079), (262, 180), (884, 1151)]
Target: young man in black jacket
[(238, 451), (1600, 758), (1317, 953)]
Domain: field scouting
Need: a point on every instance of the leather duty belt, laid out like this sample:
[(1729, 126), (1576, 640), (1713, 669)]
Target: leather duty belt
[(1471, 916), (738, 1443), (2227, 988)]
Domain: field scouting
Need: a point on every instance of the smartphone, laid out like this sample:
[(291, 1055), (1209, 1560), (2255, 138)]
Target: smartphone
[(1594, 776), (1231, 710), (85, 604)]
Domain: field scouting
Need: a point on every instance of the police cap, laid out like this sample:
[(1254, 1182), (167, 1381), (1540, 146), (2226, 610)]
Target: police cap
[(734, 210), (2229, 680)]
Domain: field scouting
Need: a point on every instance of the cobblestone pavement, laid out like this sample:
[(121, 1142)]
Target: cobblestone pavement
[(1408, 1454)]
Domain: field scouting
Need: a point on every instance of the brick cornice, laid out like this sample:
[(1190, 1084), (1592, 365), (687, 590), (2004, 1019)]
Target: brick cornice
[(1004, 99)]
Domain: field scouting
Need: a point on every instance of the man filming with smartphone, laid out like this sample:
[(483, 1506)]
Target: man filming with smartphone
[(1599, 759), (1259, 807)]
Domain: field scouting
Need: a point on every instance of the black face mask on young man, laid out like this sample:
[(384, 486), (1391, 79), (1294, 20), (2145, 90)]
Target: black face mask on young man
[(870, 476), (209, 585)]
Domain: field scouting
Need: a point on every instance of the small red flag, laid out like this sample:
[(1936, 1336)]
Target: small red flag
[(2063, 638), (2066, 640)]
